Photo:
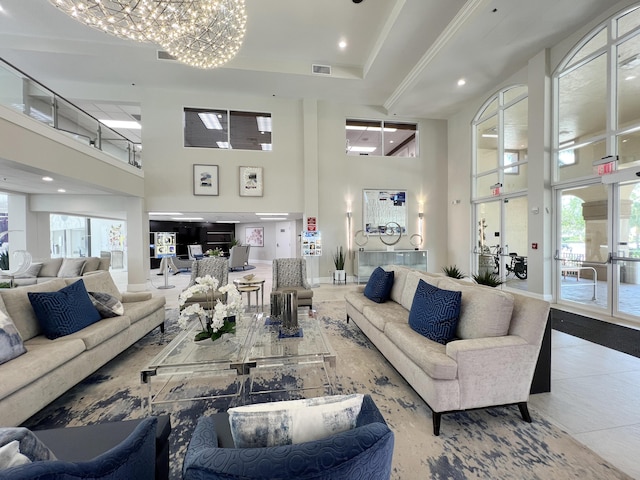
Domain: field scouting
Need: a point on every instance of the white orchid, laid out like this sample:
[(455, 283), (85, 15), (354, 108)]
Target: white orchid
[(214, 315)]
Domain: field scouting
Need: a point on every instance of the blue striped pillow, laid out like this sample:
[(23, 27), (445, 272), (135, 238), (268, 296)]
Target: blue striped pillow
[(435, 312)]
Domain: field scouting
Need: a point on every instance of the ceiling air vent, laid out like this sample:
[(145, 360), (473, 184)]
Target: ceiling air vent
[(321, 69), (162, 55)]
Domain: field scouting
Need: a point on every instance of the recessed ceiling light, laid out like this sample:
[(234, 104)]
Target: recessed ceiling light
[(165, 213), (274, 218), (210, 121), (128, 124), (188, 218), (62, 190), (462, 82), (47, 179), (227, 221), (342, 44)]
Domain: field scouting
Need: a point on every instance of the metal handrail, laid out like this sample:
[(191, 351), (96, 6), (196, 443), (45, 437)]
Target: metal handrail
[(584, 262)]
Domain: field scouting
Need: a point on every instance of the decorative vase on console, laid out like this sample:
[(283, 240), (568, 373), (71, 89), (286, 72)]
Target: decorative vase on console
[(216, 318)]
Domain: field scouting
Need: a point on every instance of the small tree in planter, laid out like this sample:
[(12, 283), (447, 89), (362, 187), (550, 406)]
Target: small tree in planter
[(340, 275)]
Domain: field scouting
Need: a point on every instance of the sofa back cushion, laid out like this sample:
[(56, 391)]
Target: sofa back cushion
[(411, 284), (91, 264), (379, 285), (50, 267), (399, 277), (100, 282), (434, 312), (18, 306), (485, 311), (64, 312), (71, 267)]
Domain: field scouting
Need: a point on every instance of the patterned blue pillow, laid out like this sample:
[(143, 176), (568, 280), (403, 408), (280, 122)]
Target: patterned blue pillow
[(379, 285), (64, 312), (435, 312)]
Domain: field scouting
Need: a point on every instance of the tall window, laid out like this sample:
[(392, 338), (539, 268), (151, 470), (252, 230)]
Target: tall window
[(375, 137), (227, 129), (499, 186)]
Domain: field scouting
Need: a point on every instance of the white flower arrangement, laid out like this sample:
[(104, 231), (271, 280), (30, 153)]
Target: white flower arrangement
[(215, 316)]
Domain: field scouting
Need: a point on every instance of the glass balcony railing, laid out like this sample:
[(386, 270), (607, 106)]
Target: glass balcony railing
[(20, 92)]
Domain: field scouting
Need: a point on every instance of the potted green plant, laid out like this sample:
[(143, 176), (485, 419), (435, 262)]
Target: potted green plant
[(453, 271), (487, 278), (339, 275)]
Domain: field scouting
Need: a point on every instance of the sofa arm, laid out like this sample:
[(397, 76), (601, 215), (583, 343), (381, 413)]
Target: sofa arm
[(128, 297), (494, 370)]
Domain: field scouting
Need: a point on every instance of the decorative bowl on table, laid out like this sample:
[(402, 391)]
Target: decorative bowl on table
[(249, 277)]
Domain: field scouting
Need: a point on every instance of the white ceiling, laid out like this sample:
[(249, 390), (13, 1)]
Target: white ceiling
[(405, 56)]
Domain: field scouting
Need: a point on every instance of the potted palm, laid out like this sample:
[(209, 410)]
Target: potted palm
[(339, 275)]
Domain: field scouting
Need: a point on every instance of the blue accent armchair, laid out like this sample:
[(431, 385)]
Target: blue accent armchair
[(364, 452), (134, 458)]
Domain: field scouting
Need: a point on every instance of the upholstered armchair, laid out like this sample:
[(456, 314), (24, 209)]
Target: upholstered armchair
[(239, 256), (133, 457), (291, 274), (217, 267), (363, 452)]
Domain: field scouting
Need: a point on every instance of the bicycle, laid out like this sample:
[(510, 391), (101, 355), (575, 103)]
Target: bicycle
[(517, 265)]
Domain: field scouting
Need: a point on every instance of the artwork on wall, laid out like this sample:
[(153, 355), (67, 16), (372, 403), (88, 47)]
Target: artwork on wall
[(254, 236), (384, 211), (205, 179), (251, 182)]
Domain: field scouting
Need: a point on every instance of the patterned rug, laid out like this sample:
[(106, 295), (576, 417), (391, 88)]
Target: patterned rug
[(491, 443)]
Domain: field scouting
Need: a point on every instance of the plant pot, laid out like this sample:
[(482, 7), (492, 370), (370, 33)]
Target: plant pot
[(340, 276)]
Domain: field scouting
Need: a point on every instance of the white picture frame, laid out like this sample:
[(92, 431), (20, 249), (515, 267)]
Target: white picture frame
[(251, 182)]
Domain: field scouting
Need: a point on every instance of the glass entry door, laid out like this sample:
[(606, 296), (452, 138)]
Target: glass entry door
[(626, 259)]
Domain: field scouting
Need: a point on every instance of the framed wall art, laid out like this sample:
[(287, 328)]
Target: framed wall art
[(251, 182), (205, 179), (254, 236), (384, 209)]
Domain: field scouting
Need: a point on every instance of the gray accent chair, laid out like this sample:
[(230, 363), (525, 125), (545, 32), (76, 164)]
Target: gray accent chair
[(217, 267), (239, 256), (291, 274)]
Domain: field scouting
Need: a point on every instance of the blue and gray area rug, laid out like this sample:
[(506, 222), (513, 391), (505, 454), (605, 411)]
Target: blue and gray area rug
[(492, 443)]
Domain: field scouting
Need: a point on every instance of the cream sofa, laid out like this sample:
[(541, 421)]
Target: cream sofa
[(50, 367), (43, 271), (493, 361)]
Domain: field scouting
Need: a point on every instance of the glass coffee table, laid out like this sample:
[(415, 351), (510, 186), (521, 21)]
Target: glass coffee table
[(289, 364), (254, 361), (186, 370)]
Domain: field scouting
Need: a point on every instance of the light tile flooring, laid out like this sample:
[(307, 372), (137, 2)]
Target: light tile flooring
[(595, 391)]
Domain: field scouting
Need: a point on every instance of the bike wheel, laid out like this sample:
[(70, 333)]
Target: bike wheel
[(521, 275)]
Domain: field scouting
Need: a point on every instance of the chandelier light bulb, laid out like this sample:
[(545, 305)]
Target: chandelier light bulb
[(199, 33)]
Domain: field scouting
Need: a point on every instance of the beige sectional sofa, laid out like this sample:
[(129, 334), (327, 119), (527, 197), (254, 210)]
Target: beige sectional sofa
[(491, 363), (50, 367), (43, 271)]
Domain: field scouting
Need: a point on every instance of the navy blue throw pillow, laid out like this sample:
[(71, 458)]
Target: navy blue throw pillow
[(64, 312), (435, 312), (379, 285)]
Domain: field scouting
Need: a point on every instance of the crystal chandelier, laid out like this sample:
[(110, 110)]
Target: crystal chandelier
[(199, 33)]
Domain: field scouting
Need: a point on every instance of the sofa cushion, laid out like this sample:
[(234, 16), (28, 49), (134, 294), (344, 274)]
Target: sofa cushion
[(429, 356), (32, 271), (101, 282), (399, 278), (294, 421), (379, 285), (434, 312), (11, 345), (71, 267), (379, 314), (43, 357), (484, 312), (50, 267), (91, 264), (64, 312), (107, 305), (139, 310), (18, 306)]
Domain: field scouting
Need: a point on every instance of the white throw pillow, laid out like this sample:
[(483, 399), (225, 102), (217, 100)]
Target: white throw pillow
[(10, 455), (295, 421)]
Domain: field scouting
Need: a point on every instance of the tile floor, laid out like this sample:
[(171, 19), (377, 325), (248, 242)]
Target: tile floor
[(595, 391)]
